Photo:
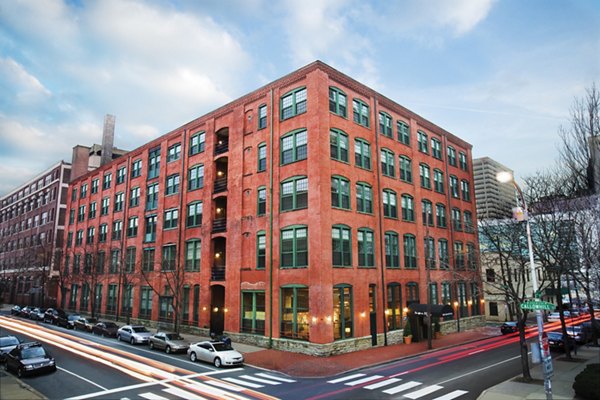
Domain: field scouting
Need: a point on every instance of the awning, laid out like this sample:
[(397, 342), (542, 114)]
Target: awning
[(437, 310)]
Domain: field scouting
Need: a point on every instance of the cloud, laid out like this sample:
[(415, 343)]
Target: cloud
[(25, 88)]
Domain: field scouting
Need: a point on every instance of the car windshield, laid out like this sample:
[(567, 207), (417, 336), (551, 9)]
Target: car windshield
[(139, 329), (174, 336), (110, 324), (8, 341), (222, 346), (74, 317), (33, 352)]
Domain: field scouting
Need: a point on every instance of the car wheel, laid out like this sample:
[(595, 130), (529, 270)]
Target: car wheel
[(119, 338), (217, 362), (168, 350), (193, 357), (151, 346), (20, 372), (132, 340)]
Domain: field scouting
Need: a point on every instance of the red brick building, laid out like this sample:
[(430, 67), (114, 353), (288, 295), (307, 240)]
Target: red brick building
[(301, 214)]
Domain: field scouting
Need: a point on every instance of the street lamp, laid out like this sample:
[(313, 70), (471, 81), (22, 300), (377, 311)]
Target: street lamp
[(507, 177)]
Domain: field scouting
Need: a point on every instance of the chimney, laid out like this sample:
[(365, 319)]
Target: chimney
[(108, 138)]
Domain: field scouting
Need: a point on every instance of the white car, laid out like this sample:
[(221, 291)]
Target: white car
[(134, 334), (555, 316), (217, 353)]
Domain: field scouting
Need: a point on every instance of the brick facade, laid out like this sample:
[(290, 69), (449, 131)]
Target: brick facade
[(266, 269)]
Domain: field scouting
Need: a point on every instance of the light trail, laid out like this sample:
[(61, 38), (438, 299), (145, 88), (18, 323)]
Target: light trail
[(138, 367)]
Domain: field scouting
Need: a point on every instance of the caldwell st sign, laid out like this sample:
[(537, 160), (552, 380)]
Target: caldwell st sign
[(537, 305)]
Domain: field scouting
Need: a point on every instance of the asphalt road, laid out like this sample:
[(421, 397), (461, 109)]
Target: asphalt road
[(103, 368)]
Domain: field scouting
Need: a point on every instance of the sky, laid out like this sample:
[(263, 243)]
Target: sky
[(501, 74)]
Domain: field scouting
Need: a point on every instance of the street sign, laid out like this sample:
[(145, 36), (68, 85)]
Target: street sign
[(537, 305), (548, 368)]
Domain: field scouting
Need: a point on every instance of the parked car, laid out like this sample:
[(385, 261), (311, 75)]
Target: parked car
[(509, 327), (106, 329), (25, 311), (555, 316), (169, 342), (67, 320), (134, 334), (29, 358), (85, 324), (37, 314), (556, 340), (577, 333), (7, 343), (15, 310), (52, 315), (217, 353)]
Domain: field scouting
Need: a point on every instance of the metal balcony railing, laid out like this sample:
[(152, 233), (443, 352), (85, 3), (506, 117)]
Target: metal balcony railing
[(219, 225), (222, 147), (217, 273), (220, 185)]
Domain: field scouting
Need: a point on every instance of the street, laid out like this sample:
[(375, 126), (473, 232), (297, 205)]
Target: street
[(94, 367)]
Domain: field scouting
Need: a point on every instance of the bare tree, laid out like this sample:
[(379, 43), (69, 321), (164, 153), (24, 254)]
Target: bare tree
[(575, 147), (504, 247)]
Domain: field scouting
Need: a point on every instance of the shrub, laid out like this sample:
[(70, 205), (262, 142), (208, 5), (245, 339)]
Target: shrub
[(586, 383), (407, 330)]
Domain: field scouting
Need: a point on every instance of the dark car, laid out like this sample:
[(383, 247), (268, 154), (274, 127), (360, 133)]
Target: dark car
[(37, 314), (106, 329), (509, 327), (15, 310), (556, 341), (85, 324), (29, 358), (25, 311), (52, 315), (67, 320), (7, 343)]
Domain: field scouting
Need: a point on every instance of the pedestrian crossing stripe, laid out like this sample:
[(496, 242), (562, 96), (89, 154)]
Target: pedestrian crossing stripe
[(277, 378), (452, 395), (243, 383), (346, 378), (423, 392), (363, 380), (259, 380), (402, 388), (152, 396), (184, 394)]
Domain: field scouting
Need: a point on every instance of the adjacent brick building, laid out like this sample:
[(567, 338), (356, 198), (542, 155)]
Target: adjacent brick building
[(300, 215)]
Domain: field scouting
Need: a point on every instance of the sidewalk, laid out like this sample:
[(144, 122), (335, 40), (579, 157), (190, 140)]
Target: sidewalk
[(12, 388)]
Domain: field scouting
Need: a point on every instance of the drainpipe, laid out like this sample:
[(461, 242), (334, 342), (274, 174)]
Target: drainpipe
[(379, 205), (271, 221)]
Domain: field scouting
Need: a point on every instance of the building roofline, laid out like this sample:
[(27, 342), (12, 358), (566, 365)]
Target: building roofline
[(23, 185)]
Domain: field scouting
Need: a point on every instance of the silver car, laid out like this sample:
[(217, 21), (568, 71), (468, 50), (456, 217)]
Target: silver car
[(134, 334), (169, 342), (217, 353)]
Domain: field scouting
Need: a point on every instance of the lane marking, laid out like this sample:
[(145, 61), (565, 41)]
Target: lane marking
[(183, 394), (243, 383), (260, 380), (152, 396), (223, 385), (364, 380), (423, 392), (403, 387), (346, 378), (82, 378), (382, 383), (277, 378), (452, 395), (479, 370)]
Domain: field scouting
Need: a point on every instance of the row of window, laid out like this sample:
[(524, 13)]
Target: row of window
[(294, 305)]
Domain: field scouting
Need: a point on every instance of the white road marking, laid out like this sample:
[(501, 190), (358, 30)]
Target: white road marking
[(82, 378), (261, 380), (277, 378), (152, 396), (403, 387), (183, 394), (382, 383), (243, 383), (346, 378), (451, 395), (363, 380), (223, 385), (423, 392), (479, 370)]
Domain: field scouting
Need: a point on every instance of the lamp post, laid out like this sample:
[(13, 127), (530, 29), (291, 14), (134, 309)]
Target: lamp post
[(507, 177)]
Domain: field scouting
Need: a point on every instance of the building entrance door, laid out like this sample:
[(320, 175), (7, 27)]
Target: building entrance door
[(217, 309)]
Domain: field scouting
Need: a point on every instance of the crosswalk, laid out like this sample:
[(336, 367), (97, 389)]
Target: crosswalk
[(390, 385), (229, 384)]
